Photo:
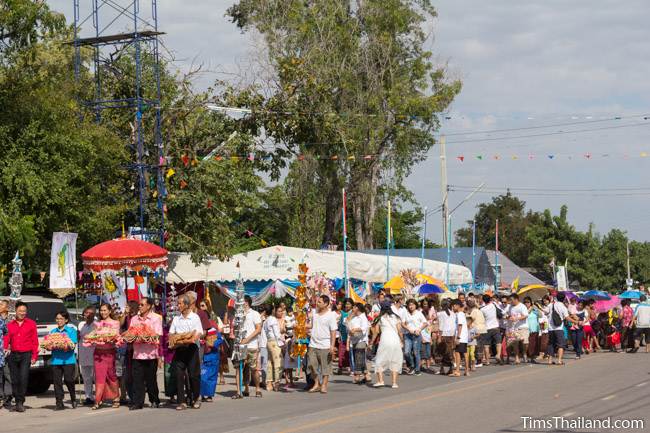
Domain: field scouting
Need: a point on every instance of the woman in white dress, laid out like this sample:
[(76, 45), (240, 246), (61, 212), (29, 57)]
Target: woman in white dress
[(389, 353)]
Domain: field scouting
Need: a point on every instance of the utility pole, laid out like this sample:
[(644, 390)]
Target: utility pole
[(444, 189), (628, 282)]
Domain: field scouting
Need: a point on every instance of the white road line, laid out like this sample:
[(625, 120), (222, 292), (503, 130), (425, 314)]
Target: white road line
[(568, 414), (609, 397), (641, 384)]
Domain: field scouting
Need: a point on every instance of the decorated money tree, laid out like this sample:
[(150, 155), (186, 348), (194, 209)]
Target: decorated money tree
[(238, 351), (409, 276), (15, 284), (172, 304), (301, 308), (318, 284)]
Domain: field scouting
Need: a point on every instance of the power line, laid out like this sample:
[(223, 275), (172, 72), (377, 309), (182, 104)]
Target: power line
[(561, 194), (546, 134), (554, 125), (560, 188)]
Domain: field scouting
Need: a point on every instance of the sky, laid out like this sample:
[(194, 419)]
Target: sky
[(541, 69)]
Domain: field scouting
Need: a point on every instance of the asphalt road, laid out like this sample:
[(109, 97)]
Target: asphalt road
[(493, 400)]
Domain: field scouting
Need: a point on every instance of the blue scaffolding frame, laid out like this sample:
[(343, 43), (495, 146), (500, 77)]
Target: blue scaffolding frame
[(115, 26)]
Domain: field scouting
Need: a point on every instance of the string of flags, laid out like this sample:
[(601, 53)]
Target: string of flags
[(550, 156)]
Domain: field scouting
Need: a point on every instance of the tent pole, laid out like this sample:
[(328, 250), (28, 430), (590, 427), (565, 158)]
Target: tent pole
[(473, 255), (424, 235)]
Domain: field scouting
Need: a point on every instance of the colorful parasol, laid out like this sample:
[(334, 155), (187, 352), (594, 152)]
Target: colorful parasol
[(534, 291), (395, 284), (120, 254), (630, 294), (597, 295), (430, 289)]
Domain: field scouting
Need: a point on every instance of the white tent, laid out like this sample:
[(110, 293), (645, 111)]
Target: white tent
[(280, 262)]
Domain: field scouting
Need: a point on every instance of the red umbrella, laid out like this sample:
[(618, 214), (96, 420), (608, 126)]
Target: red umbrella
[(120, 254)]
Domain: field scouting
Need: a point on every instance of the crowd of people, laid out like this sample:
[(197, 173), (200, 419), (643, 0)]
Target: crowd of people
[(393, 335)]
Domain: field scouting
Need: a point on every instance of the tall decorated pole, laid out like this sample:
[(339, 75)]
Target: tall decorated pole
[(345, 245), (424, 235), (496, 257), (239, 352), (448, 236), (473, 255), (300, 308), (388, 238), (15, 284)]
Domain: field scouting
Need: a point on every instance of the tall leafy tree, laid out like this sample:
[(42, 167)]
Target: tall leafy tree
[(348, 79), (57, 172)]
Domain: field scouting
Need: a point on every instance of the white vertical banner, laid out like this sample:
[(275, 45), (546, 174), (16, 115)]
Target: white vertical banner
[(114, 290), (63, 261), (560, 276)]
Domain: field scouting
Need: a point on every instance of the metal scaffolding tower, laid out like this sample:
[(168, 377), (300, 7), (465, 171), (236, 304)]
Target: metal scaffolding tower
[(114, 30)]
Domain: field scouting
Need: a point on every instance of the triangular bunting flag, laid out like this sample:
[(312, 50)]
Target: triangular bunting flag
[(461, 158)]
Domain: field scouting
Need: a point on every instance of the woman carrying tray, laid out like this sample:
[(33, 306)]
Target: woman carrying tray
[(146, 330), (106, 385), (63, 357)]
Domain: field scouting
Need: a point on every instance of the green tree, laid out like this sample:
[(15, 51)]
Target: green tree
[(348, 80), (58, 172), (513, 222)]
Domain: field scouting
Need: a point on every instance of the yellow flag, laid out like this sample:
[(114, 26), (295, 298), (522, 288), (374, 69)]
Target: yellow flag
[(515, 285)]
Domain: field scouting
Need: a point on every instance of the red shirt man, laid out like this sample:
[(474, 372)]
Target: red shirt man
[(22, 336)]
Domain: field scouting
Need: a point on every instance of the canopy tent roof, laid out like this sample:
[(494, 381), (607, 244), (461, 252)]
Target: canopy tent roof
[(280, 262), (459, 256)]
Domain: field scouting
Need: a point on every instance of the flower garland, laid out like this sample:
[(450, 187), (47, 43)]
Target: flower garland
[(300, 307)]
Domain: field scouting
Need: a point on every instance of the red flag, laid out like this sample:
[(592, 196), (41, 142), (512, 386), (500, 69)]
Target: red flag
[(461, 158)]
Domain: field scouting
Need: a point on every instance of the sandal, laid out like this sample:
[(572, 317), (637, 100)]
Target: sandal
[(258, 394), (116, 405), (314, 389), (454, 375), (196, 405), (236, 397), (378, 385), (181, 406), (96, 406)]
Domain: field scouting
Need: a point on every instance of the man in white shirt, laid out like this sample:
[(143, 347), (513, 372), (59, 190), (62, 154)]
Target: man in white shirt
[(556, 339), (642, 322), (321, 344), (462, 338), (250, 344), (86, 354), (414, 322), (186, 357), (493, 334), (518, 326)]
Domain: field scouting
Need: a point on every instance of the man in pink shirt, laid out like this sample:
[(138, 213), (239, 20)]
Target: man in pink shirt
[(146, 357)]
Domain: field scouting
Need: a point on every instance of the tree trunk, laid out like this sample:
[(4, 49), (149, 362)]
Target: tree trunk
[(332, 209), (365, 206)]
